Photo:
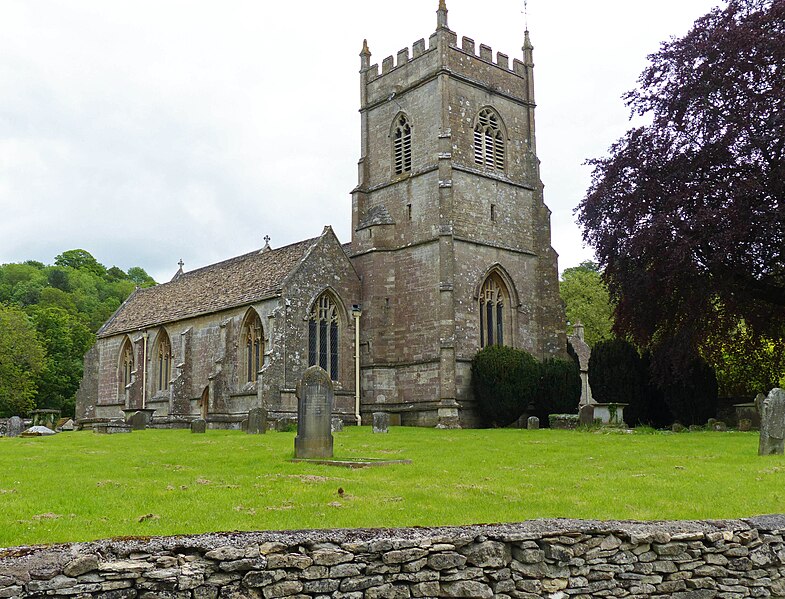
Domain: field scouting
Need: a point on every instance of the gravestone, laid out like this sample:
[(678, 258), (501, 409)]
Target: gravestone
[(772, 423), (257, 421), (15, 427), (533, 423), (381, 422), (244, 425), (745, 424), (138, 421), (66, 426), (199, 425), (336, 424), (586, 415), (314, 412), (112, 427)]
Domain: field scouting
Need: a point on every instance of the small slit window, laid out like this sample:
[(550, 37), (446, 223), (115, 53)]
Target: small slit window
[(489, 141), (402, 145), (323, 335), (126, 365)]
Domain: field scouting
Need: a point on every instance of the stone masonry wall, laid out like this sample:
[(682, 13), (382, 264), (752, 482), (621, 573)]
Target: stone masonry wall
[(558, 559)]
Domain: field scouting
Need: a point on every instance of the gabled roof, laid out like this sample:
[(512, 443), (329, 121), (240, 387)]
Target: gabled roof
[(234, 282)]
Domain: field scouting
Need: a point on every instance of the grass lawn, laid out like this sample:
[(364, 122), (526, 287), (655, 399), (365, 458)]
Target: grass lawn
[(82, 486)]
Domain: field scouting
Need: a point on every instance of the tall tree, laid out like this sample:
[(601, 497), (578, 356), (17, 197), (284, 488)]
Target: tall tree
[(21, 360), (687, 214), (586, 299)]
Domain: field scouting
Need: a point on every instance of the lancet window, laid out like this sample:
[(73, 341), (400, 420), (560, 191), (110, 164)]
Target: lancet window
[(489, 140), (494, 300), (323, 325), (402, 145), (126, 364), (163, 362), (253, 346)]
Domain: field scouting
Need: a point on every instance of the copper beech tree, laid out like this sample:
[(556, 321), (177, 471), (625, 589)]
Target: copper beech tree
[(687, 213)]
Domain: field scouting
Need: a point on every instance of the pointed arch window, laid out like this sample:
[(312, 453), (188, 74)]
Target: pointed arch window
[(402, 145), (252, 346), (494, 300), (126, 364), (163, 362), (489, 140), (323, 335)]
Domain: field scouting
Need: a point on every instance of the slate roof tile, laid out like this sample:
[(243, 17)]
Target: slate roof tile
[(234, 282)]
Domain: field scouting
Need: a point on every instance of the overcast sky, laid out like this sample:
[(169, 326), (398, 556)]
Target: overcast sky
[(147, 131)]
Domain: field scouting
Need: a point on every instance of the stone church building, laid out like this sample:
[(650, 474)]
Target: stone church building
[(450, 252)]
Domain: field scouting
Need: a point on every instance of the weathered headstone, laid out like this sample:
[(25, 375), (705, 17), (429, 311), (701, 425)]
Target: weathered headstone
[(257, 421), (244, 425), (678, 427), (66, 426), (533, 423), (745, 424), (772, 423), (15, 427), (336, 424), (381, 422), (719, 426), (138, 421), (314, 411), (199, 425), (586, 415)]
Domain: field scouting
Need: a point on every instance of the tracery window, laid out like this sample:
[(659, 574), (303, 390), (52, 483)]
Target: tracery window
[(402, 145), (164, 362), (253, 346), (323, 335), (126, 364), (494, 298), (489, 140)]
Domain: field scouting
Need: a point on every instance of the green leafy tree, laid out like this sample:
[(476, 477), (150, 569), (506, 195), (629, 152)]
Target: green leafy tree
[(586, 299), (22, 357), (138, 275), (504, 382), (80, 260), (66, 339)]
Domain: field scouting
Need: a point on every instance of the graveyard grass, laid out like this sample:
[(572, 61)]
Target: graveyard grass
[(82, 486)]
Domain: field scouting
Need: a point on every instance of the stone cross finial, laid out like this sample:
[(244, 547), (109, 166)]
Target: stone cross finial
[(181, 264), (578, 329), (266, 247)]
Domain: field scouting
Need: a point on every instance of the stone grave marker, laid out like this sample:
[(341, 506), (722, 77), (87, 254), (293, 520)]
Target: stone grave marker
[(37, 431), (257, 421), (138, 421), (244, 425), (66, 426), (586, 415), (112, 427), (772, 423), (533, 423), (336, 424), (745, 424), (15, 427), (199, 425), (314, 412), (381, 422)]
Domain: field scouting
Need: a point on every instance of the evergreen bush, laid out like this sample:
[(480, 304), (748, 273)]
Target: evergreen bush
[(504, 382), (560, 388), (616, 375), (691, 394)]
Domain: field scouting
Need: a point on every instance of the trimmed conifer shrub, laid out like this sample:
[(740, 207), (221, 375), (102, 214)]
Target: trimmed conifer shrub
[(504, 382), (616, 376), (560, 388), (691, 394)]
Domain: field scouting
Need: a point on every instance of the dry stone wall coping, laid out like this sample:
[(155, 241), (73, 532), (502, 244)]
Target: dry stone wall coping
[(559, 559)]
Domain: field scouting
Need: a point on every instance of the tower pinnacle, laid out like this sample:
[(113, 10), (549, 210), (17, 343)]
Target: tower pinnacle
[(441, 15), (365, 55), (528, 54)]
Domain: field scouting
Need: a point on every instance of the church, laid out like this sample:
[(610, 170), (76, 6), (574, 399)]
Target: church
[(450, 252)]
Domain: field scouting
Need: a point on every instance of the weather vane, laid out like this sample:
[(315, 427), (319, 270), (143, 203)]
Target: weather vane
[(526, 13)]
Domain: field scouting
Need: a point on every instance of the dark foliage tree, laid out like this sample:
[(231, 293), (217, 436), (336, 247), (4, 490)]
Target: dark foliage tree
[(687, 213), (559, 390), (504, 382), (616, 376), (691, 394), (656, 412)]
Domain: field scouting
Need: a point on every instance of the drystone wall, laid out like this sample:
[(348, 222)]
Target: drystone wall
[(558, 559)]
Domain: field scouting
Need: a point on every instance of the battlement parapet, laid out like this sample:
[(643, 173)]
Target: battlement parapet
[(467, 46)]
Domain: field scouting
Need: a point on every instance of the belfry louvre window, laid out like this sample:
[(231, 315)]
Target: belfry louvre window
[(493, 299), (164, 365), (402, 145), (253, 339), (323, 335), (489, 140)]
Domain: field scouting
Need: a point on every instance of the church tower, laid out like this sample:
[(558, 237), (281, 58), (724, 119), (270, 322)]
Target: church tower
[(450, 234)]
